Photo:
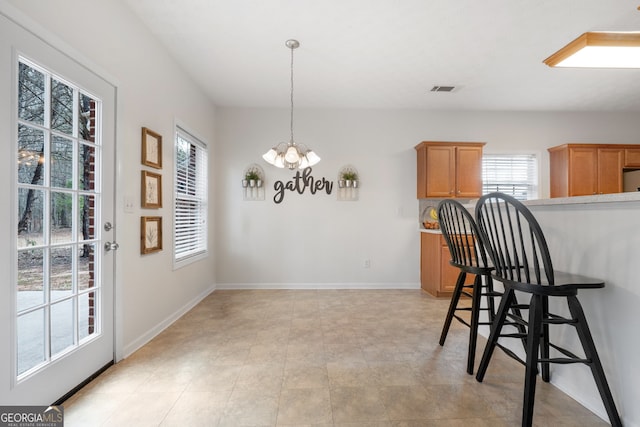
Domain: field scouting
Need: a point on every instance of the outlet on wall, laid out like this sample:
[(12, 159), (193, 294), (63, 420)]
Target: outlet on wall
[(367, 263)]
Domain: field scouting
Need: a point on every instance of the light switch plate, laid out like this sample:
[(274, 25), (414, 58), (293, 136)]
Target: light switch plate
[(128, 204)]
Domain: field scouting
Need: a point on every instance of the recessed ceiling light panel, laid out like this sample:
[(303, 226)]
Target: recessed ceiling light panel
[(599, 50)]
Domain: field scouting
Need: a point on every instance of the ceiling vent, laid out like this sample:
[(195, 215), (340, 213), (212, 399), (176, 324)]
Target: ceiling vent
[(443, 89)]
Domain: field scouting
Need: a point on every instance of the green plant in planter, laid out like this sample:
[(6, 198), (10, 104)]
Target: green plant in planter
[(350, 176), (252, 175)]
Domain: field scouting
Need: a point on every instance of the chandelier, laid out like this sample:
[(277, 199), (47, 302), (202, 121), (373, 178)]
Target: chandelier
[(291, 155)]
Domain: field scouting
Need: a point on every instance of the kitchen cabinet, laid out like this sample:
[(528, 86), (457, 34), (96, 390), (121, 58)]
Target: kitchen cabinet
[(449, 169), (437, 276), (588, 169)]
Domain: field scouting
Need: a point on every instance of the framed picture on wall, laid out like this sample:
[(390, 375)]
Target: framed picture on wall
[(150, 234), (151, 188), (151, 148)]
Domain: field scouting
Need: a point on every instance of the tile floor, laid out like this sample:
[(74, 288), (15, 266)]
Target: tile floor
[(314, 358)]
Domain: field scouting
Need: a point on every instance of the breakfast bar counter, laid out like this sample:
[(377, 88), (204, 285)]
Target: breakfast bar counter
[(599, 236)]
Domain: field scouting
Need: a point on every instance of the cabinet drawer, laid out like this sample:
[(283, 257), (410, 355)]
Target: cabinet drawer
[(632, 157)]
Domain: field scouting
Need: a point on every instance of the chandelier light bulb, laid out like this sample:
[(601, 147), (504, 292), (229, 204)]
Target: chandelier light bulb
[(292, 155)]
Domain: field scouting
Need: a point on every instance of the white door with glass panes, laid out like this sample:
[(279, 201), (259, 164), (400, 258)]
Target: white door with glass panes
[(57, 120)]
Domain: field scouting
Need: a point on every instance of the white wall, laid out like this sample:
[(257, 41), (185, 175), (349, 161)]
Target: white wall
[(317, 241), (153, 91)]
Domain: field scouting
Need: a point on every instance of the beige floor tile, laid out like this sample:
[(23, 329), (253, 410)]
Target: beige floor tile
[(338, 358), (409, 403), (89, 409), (222, 377), (196, 409), (267, 377), (351, 374), (250, 407), (304, 406), (143, 409), (357, 405)]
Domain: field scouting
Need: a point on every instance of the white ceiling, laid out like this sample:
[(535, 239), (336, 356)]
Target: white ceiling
[(389, 53)]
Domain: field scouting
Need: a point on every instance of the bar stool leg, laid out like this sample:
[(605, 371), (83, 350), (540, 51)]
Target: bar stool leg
[(452, 306), (531, 371), (475, 315), (496, 327), (544, 340), (491, 305), (596, 366)]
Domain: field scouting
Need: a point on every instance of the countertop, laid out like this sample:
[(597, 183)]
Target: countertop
[(558, 201)]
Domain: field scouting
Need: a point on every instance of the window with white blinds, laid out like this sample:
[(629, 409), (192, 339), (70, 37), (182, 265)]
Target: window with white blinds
[(513, 174), (190, 196)]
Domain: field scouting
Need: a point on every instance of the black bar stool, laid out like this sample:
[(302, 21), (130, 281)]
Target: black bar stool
[(460, 232), (517, 247)]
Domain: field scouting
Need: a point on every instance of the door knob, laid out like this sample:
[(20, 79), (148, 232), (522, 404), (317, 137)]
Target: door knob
[(111, 246)]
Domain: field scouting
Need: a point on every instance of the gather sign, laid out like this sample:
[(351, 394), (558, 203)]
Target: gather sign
[(300, 183)]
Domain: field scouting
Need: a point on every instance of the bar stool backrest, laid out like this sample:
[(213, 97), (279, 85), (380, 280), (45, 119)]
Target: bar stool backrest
[(461, 233), (514, 240)]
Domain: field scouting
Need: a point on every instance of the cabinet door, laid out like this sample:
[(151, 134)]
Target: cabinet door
[(610, 163), (583, 171), (430, 262), (632, 157), (421, 154), (441, 171), (449, 273), (468, 172)]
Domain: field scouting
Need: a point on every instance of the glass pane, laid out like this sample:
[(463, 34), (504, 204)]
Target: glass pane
[(61, 326), (86, 226), (61, 217), (61, 162), (86, 267), (86, 167), (30, 155), (182, 165), (30, 278), (30, 217), (30, 94), (61, 276), (61, 107), (87, 314), (30, 340), (87, 118)]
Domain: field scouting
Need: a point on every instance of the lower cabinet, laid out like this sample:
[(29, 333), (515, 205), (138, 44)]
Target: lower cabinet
[(437, 276)]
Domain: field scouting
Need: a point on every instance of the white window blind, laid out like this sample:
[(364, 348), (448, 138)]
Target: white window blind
[(513, 174), (190, 215)]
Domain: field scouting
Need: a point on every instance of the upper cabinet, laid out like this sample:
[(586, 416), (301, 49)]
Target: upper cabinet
[(449, 169), (588, 169)]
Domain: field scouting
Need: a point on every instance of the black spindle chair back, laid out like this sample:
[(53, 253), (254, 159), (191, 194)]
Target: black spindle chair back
[(468, 255), (515, 242)]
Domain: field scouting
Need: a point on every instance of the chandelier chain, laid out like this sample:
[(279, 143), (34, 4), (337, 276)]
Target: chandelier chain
[(291, 95)]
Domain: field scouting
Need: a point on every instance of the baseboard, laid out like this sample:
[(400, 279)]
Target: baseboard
[(152, 333), (365, 285)]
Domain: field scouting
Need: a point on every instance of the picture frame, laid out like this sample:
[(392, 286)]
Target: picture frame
[(151, 148), (150, 234), (151, 190)]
